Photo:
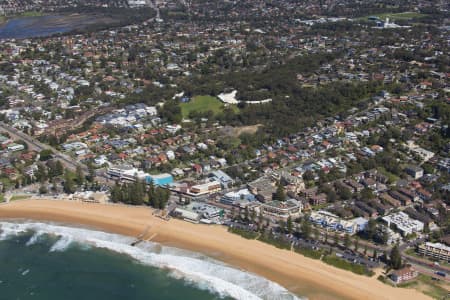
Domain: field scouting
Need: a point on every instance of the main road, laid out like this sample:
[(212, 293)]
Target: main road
[(34, 144)]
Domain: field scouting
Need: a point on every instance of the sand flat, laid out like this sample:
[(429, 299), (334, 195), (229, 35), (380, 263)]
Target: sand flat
[(297, 273)]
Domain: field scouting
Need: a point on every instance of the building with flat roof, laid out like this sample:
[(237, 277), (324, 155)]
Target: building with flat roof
[(282, 210), (222, 177), (403, 223), (328, 220), (415, 172), (232, 198), (187, 215), (435, 250), (205, 188), (130, 173)]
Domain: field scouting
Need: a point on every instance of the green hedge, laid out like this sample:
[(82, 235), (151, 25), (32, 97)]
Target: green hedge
[(251, 235), (275, 242), (343, 264), (314, 254)]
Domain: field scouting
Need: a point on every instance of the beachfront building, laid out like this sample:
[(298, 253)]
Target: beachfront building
[(330, 221), (404, 274), (403, 223), (129, 173), (92, 197), (199, 212), (435, 250), (282, 210), (186, 214)]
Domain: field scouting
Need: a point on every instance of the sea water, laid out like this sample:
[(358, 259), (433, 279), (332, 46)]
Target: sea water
[(50, 261)]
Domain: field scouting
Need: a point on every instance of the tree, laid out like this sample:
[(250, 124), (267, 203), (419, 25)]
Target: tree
[(367, 194), (116, 193), (331, 196), (356, 244), (59, 168), (371, 228), (336, 238), (306, 229), (289, 225), (343, 192), (41, 173), (395, 258), (45, 154), (68, 185), (79, 176), (308, 175), (43, 189), (347, 241), (316, 233), (280, 194)]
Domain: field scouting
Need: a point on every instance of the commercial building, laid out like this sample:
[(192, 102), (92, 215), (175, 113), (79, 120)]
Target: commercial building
[(328, 220), (232, 198), (263, 188), (404, 274), (198, 212), (403, 223), (435, 250), (205, 188), (220, 176), (282, 210), (132, 174), (186, 215)]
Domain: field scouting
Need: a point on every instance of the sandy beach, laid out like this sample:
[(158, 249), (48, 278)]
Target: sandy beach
[(299, 274)]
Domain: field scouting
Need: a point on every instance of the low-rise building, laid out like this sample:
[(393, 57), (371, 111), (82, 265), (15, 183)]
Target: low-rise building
[(404, 274), (220, 176), (232, 198), (435, 250), (333, 222), (282, 210), (415, 172), (206, 188), (403, 223)]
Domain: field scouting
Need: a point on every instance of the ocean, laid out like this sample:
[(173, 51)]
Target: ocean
[(47, 261)]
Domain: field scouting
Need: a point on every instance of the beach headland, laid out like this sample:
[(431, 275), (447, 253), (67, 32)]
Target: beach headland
[(307, 277)]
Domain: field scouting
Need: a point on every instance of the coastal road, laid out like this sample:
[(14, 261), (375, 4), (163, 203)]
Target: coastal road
[(34, 144)]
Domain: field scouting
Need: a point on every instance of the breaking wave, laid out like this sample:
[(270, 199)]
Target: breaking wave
[(197, 269)]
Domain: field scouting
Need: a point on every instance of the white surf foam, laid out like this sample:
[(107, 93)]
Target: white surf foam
[(35, 238), (195, 268), (62, 244)]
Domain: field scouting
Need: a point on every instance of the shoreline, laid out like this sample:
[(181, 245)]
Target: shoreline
[(301, 275)]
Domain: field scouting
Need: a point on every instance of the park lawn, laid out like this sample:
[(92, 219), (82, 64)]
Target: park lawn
[(19, 197), (202, 104), (424, 284), (31, 14)]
